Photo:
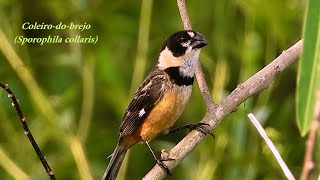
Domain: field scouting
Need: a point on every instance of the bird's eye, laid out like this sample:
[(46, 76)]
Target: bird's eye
[(183, 39)]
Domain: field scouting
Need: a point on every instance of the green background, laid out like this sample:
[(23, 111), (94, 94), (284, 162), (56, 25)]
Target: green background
[(88, 86)]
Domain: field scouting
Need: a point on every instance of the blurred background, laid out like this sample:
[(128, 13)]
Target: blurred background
[(74, 94)]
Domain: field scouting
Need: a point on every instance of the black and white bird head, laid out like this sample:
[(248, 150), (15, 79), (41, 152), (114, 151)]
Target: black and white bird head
[(180, 50)]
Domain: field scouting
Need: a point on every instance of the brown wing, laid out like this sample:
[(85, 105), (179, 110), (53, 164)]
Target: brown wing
[(148, 95)]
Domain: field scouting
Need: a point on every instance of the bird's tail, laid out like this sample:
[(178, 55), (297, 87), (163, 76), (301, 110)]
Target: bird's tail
[(114, 165)]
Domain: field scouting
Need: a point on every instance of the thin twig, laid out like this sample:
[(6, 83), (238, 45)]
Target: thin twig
[(215, 113), (273, 149), (184, 14), (27, 131), (198, 70), (308, 164)]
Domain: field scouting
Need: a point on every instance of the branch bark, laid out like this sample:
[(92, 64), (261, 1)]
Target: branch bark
[(184, 14), (198, 71), (215, 113), (27, 131)]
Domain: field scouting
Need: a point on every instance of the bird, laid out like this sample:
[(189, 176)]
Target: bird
[(160, 99)]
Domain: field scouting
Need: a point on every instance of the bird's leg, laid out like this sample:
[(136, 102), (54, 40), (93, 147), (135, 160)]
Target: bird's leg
[(159, 161), (197, 126)]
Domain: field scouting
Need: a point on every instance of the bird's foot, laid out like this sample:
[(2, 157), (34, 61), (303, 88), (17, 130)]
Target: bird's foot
[(164, 167), (197, 126)]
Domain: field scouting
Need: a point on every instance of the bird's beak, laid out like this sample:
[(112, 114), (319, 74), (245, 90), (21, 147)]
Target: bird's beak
[(199, 41)]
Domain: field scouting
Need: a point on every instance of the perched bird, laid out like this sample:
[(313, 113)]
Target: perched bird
[(160, 99)]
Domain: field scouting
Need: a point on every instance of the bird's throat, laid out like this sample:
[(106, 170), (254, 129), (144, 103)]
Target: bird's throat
[(178, 78)]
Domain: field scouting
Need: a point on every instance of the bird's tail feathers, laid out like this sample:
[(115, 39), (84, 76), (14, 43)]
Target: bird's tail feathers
[(115, 163)]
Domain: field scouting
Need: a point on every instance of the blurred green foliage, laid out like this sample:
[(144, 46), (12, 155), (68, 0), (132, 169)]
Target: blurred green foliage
[(308, 81), (88, 86)]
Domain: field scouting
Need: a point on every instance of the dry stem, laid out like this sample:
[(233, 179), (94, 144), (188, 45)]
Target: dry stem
[(308, 158)]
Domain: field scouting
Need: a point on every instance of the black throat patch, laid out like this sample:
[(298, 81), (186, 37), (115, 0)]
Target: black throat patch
[(176, 77)]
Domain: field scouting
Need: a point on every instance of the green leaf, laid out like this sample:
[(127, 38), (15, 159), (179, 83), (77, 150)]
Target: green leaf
[(308, 76)]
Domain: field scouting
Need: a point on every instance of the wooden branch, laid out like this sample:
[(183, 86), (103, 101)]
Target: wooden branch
[(27, 131), (184, 14), (198, 71), (215, 113)]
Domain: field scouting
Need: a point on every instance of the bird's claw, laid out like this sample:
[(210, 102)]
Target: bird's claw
[(164, 167), (201, 127)]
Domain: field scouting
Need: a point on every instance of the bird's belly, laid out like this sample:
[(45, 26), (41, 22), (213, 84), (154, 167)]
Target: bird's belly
[(165, 113)]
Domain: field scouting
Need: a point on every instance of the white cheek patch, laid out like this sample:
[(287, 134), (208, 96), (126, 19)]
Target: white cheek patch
[(141, 112), (186, 44), (166, 59), (191, 34)]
